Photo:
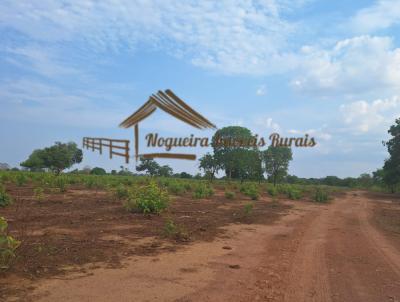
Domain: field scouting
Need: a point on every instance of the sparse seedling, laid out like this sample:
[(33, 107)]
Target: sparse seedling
[(321, 195), (272, 191), (5, 199), (61, 184), (203, 191), (8, 245), (248, 209), (38, 193), (250, 190), (176, 188), (230, 195), (174, 231), (20, 180)]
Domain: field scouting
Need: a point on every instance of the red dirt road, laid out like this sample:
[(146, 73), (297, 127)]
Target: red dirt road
[(315, 253)]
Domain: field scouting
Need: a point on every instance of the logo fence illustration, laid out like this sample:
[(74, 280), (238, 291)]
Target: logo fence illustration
[(169, 103), (95, 143)]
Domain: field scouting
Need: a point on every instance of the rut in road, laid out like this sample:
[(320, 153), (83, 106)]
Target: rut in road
[(342, 257)]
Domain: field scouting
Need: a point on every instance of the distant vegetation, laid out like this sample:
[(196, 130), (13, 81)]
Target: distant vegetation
[(237, 162)]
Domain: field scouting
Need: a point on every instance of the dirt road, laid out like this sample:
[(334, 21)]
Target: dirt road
[(315, 253)]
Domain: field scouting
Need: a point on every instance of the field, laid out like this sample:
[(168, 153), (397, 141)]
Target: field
[(81, 240)]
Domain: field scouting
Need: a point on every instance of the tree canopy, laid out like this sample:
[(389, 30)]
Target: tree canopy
[(277, 162), (152, 168), (56, 158), (391, 167), (234, 154)]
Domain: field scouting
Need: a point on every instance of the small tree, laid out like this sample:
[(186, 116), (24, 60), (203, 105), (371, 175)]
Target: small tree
[(277, 162), (391, 168), (148, 165), (98, 171), (210, 165), (56, 158), (165, 171)]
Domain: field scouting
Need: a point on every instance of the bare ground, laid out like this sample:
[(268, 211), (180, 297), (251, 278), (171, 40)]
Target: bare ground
[(347, 250)]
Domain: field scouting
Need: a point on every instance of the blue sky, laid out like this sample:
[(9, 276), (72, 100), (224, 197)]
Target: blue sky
[(331, 69)]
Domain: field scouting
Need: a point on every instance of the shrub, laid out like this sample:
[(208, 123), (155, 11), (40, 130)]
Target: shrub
[(248, 208), (176, 188), (38, 193), (20, 179), (60, 183), (177, 232), (294, 193), (273, 191), (203, 191), (147, 199), (5, 199), (8, 245), (121, 192), (187, 186), (250, 190), (321, 195), (230, 195)]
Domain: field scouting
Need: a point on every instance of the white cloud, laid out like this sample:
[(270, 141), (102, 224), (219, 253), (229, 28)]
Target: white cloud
[(42, 60), (262, 90), (265, 123), (319, 133), (381, 15), (362, 116), (357, 65), (28, 100), (246, 37)]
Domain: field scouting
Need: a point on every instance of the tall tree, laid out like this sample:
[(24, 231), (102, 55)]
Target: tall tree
[(228, 144), (165, 171), (148, 165), (210, 165), (56, 158), (277, 162), (391, 167)]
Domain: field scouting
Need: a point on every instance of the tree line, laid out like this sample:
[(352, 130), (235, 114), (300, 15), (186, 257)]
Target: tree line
[(237, 162)]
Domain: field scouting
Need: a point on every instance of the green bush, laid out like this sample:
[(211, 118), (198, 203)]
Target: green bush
[(147, 199), (174, 231), (121, 192), (250, 190), (273, 191), (321, 195), (61, 183), (248, 208), (188, 186), (230, 195), (203, 191), (20, 179), (294, 193), (5, 199), (176, 188), (8, 245)]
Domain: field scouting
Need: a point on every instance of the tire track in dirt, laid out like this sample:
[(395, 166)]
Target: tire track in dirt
[(308, 279), (357, 255), (377, 240)]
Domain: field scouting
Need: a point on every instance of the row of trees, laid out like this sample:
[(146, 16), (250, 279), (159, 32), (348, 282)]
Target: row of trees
[(244, 161), (238, 161)]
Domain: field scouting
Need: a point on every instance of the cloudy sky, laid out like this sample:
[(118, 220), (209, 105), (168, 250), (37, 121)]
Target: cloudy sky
[(331, 69)]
